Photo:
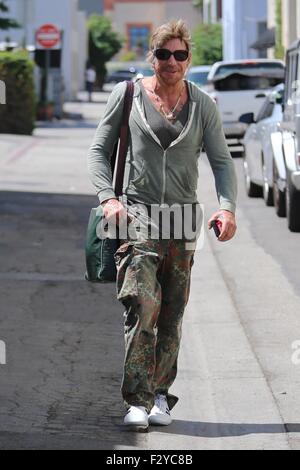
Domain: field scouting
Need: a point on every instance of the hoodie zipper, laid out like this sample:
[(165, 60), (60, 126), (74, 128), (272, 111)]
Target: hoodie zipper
[(162, 201), (175, 142)]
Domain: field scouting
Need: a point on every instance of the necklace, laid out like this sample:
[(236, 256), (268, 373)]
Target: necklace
[(170, 115)]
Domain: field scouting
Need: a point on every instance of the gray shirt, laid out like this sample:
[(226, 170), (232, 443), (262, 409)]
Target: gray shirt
[(165, 130), (154, 175)]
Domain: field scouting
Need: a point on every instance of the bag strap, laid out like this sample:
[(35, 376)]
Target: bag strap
[(119, 157)]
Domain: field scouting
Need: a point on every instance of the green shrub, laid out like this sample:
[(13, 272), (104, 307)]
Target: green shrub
[(104, 43), (129, 56), (208, 44), (17, 116)]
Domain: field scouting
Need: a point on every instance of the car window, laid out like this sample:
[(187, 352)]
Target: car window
[(260, 68), (145, 72), (266, 110), (287, 78), (237, 82), (291, 75), (200, 78)]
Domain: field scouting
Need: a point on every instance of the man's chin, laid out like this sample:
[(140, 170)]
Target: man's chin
[(171, 77)]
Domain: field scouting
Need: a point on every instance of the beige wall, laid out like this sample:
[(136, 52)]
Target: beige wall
[(298, 19), (289, 22), (271, 13), (155, 14), (271, 23), (125, 13), (184, 10)]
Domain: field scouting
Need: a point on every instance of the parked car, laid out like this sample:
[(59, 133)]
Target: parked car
[(258, 146), (287, 140), (198, 75), (241, 87), (118, 76), (143, 72)]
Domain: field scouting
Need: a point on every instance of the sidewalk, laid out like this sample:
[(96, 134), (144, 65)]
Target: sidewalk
[(60, 388)]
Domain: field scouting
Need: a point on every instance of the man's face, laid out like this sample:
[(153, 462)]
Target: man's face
[(171, 71)]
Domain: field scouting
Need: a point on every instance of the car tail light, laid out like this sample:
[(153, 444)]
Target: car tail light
[(249, 62)]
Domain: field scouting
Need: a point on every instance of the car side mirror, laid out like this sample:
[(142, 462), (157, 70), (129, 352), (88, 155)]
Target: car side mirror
[(247, 118)]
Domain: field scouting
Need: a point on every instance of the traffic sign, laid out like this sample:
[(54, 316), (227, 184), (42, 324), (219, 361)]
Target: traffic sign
[(48, 36)]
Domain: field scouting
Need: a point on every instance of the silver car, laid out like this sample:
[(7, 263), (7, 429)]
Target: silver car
[(259, 146), (198, 74)]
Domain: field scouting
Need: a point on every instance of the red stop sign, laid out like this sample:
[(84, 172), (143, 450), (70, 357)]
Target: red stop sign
[(48, 36)]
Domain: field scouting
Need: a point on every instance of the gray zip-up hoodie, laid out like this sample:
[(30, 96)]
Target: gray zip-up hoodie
[(157, 176)]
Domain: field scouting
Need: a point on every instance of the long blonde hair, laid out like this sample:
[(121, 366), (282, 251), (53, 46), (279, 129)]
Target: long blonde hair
[(175, 29)]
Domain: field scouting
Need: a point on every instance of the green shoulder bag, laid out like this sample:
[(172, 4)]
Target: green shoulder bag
[(99, 251)]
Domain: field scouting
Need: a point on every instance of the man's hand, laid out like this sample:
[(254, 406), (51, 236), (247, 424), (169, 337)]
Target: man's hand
[(228, 224), (114, 210)]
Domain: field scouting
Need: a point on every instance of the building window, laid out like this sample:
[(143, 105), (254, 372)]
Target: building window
[(219, 10), (138, 37)]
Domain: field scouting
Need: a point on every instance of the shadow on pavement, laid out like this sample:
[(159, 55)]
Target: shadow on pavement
[(60, 387), (217, 430)]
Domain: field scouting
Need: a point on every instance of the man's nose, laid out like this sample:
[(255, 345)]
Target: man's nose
[(172, 60)]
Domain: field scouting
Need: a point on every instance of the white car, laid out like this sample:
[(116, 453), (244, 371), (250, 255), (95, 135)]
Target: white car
[(198, 75), (240, 87), (259, 146)]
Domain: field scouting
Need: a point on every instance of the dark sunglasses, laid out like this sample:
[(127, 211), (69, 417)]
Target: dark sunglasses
[(164, 54)]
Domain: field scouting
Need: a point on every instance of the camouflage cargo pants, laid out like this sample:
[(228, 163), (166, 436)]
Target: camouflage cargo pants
[(153, 283)]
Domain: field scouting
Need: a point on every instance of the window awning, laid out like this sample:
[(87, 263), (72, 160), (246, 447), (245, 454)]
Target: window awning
[(266, 40)]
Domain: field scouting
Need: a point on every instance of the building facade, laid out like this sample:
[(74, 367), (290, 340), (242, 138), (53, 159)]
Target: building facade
[(65, 14), (271, 20), (289, 15), (243, 23), (91, 6), (136, 19), (212, 11), (290, 11)]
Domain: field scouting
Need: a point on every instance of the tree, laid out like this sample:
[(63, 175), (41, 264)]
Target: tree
[(104, 43), (279, 49), (6, 23), (198, 4), (208, 44)]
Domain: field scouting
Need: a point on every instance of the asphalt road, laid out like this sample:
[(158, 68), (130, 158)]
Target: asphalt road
[(237, 382)]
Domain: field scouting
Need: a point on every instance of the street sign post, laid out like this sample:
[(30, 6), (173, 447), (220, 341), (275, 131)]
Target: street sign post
[(48, 37)]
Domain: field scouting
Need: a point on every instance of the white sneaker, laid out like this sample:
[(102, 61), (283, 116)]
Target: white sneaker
[(137, 418), (160, 413)]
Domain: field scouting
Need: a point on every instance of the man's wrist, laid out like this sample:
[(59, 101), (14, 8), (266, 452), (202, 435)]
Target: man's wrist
[(227, 210), (103, 203)]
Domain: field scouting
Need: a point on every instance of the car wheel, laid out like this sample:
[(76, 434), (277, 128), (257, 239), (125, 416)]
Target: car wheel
[(267, 190), (252, 189), (292, 205), (279, 196)]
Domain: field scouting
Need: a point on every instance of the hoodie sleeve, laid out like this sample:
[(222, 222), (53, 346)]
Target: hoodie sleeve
[(101, 150), (219, 156)]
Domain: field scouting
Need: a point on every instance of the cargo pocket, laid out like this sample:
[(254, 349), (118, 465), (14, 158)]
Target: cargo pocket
[(126, 272)]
